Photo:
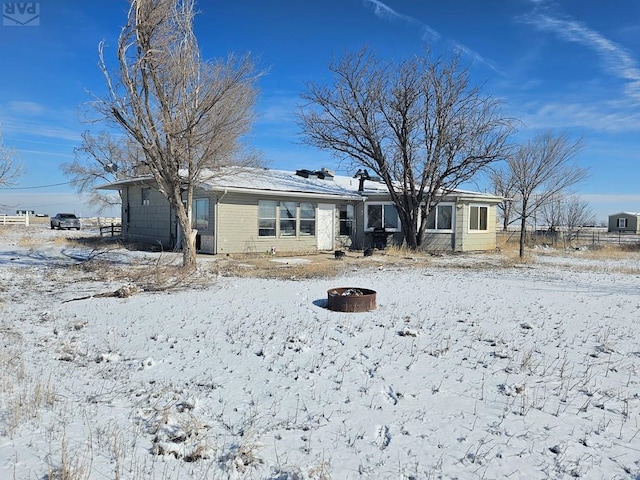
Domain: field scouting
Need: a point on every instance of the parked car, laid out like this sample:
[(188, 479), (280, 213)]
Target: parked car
[(65, 220)]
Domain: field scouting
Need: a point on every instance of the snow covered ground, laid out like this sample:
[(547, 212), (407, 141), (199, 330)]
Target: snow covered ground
[(470, 367)]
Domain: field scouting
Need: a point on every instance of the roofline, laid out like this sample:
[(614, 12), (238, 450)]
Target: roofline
[(118, 185), (221, 189)]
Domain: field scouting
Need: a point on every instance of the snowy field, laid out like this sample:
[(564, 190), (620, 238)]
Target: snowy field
[(472, 366)]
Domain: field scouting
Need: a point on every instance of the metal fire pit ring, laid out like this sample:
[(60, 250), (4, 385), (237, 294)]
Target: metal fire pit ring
[(351, 299)]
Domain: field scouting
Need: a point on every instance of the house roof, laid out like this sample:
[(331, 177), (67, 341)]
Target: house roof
[(301, 183), (633, 214), (256, 181)]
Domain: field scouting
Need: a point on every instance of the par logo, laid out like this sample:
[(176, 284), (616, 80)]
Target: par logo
[(21, 14)]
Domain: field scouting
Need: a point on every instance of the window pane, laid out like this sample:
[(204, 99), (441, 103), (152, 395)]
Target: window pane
[(201, 213), (267, 218), (431, 219), (267, 209), (145, 195), (473, 218), (346, 219), (288, 219), (307, 219), (483, 217), (307, 211), (445, 214), (307, 227), (374, 216), (390, 217), (267, 228)]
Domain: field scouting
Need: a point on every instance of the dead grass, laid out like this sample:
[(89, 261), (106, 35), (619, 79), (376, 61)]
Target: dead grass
[(295, 266), (24, 397)]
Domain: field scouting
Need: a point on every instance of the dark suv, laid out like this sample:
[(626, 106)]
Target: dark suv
[(65, 220)]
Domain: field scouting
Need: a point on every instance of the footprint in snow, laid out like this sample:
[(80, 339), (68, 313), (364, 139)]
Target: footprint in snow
[(383, 437)]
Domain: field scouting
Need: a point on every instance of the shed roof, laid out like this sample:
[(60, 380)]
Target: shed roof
[(633, 214)]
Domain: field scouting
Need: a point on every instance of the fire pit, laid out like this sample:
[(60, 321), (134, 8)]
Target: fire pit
[(351, 299)]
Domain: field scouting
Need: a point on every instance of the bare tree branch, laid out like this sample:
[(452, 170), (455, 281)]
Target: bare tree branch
[(419, 125), (103, 158), (188, 116), (541, 169), (10, 169)]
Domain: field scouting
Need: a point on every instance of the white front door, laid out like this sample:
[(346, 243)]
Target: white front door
[(325, 226)]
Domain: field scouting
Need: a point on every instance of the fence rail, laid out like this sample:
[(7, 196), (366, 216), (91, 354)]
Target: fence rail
[(112, 230), (14, 220), (583, 237)]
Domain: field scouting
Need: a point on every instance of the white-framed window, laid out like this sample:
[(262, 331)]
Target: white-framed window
[(622, 223), (307, 219), (381, 215), (347, 214), (288, 219), (267, 218), (478, 217), (200, 213), (441, 217), (145, 192)]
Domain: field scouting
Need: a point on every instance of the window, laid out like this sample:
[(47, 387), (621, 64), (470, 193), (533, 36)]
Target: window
[(440, 217), (288, 219), (145, 195), (346, 219), (307, 219), (380, 215), (622, 223), (478, 217), (201, 213), (267, 211), (292, 219)]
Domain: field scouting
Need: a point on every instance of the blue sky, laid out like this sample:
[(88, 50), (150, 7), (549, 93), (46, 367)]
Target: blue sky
[(567, 65)]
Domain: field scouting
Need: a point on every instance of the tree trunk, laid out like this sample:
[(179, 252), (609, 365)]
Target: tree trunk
[(183, 214), (409, 231), (188, 241), (523, 228)]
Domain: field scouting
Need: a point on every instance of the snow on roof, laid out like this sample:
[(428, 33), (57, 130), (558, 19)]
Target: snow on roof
[(262, 179), (633, 214), (255, 180)]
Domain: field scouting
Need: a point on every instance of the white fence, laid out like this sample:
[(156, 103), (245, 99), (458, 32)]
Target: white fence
[(14, 220)]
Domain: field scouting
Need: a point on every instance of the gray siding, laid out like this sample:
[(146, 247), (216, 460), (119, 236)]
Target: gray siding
[(147, 224), (632, 223)]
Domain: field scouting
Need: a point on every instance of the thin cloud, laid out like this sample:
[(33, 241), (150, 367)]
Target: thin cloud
[(387, 13), (617, 59), (596, 116)]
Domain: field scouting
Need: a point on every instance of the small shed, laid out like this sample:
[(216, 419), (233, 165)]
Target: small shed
[(624, 222)]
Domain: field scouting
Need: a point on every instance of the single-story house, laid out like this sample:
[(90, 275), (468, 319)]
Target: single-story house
[(243, 210), (624, 222)]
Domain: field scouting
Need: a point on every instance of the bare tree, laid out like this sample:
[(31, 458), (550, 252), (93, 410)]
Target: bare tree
[(577, 213), (553, 212), (503, 186), (541, 169), (419, 125), (103, 158), (10, 169), (187, 115)]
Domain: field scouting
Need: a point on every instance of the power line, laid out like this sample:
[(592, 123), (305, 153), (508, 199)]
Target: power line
[(36, 186)]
